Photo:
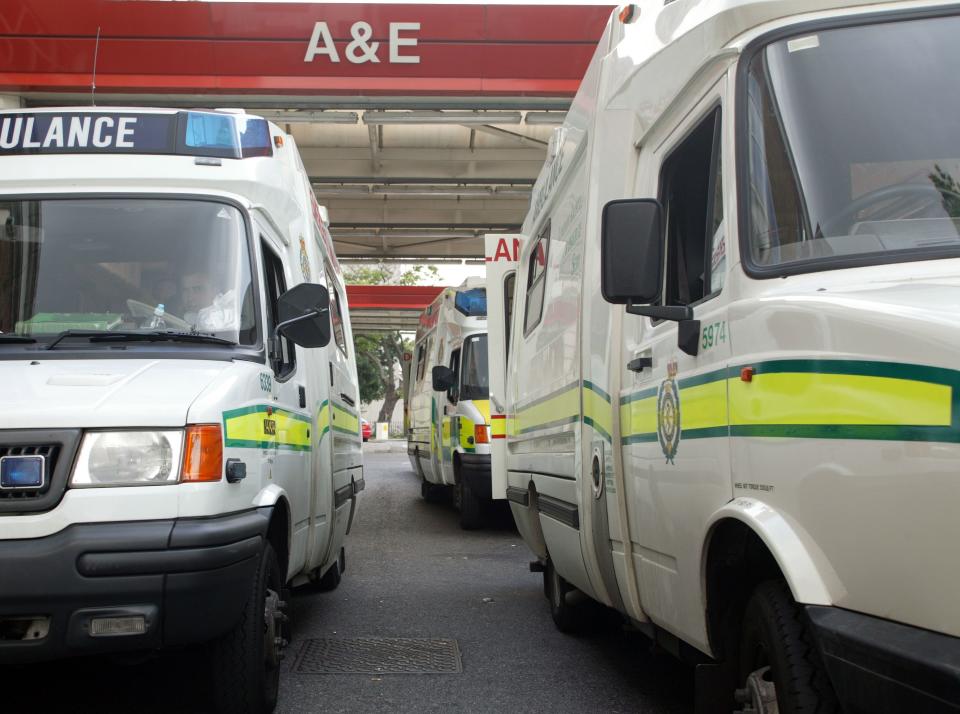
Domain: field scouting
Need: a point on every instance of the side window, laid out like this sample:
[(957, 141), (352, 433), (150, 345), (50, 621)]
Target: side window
[(716, 232), (509, 285), (421, 360), (536, 281), (688, 190), (453, 394), (336, 315), (283, 354)]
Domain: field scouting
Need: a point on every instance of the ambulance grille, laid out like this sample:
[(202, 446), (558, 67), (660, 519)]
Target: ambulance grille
[(58, 447)]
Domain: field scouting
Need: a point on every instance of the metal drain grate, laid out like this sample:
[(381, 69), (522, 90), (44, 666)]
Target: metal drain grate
[(379, 655)]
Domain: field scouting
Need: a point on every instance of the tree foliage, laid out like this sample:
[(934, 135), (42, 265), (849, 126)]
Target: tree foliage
[(380, 355)]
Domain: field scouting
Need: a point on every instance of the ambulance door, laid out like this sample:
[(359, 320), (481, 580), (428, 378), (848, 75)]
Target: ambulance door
[(502, 254), (450, 426), (673, 400), (344, 415), (286, 421)]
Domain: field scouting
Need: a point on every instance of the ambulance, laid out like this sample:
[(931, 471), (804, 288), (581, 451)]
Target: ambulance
[(448, 432), (732, 387), (179, 440)]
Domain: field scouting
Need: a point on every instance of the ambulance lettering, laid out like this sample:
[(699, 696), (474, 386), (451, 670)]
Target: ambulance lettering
[(506, 251), (77, 132)]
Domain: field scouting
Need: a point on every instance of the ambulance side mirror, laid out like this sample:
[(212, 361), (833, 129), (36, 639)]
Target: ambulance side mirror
[(631, 251), (304, 314), (632, 243), (442, 378)]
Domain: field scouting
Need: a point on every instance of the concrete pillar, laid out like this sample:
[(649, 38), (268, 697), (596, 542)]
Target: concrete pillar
[(10, 101)]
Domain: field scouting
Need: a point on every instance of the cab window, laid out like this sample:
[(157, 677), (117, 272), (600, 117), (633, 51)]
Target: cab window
[(282, 353), (336, 315), (691, 196), (453, 394), (509, 285), (536, 281)]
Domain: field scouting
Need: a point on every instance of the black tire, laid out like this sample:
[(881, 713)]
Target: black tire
[(245, 668), (471, 508), (777, 634), (331, 579), (566, 615), (431, 492)]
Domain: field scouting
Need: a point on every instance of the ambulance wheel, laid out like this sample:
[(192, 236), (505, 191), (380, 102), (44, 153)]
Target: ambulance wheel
[(779, 664), (471, 509), (246, 660), (431, 493), (331, 579), (566, 616)]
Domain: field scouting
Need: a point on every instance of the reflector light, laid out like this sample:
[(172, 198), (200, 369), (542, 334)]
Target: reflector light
[(203, 454), (117, 626), (628, 13), (481, 434)]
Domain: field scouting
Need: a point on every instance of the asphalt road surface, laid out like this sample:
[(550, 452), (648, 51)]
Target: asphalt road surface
[(411, 575)]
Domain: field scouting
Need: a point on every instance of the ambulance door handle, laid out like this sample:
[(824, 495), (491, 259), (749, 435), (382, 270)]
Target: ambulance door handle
[(331, 373), (348, 399), (638, 364), (302, 392), (497, 405)]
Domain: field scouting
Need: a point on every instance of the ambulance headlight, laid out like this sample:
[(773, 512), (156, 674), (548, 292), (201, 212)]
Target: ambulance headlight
[(128, 458)]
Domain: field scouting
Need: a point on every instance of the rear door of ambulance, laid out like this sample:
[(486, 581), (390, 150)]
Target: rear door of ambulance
[(502, 252)]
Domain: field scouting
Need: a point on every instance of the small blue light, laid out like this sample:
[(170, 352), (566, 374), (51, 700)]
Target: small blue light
[(211, 131), (472, 303), (21, 471)]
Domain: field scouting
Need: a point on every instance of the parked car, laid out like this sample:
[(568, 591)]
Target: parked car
[(366, 429)]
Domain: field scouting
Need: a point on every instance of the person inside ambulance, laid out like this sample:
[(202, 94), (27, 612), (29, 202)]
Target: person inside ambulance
[(206, 309)]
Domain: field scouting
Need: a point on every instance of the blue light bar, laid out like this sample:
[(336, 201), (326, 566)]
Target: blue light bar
[(472, 303), (187, 133)]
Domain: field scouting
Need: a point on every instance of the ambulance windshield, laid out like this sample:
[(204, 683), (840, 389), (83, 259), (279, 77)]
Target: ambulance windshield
[(124, 265), (852, 146)]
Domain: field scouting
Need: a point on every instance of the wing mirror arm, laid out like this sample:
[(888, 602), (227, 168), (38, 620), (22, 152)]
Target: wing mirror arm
[(674, 313)]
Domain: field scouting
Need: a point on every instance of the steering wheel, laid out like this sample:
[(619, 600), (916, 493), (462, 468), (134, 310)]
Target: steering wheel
[(906, 189)]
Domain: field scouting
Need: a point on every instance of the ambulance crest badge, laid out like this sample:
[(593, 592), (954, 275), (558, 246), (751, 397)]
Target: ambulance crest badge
[(668, 413)]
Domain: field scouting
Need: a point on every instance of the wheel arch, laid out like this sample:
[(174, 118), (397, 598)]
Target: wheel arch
[(748, 542), (279, 533)]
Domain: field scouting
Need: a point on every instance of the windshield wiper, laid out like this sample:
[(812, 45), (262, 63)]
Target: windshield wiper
[(133, 336), (19, 339)]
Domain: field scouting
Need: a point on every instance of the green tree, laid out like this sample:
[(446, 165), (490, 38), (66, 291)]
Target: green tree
[(380, 355)]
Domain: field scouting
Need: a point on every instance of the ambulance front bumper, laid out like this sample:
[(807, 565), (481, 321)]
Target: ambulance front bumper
[(883, 667), (184, 580)]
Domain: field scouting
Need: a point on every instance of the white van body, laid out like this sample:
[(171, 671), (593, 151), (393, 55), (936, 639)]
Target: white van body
[(779, 431), (448, 437), (143, 534)]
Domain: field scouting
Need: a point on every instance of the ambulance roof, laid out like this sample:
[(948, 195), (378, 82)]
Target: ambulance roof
[(77, 150)]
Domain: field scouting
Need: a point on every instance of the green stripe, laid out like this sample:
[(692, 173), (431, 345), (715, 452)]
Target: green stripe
[(349, 410), (863, 368), (942, 434), (603, 432), (551, 395), (262, 408), (341, 430), (705, 378), (637, 396), (594, 388), (249, 444), (551, 424)]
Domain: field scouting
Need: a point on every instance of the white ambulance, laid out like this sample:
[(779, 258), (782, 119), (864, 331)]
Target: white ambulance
[(733, 391), (448, 432), (179, 438)]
